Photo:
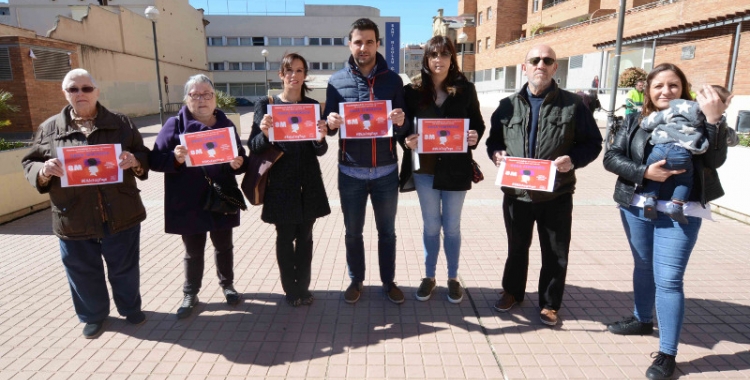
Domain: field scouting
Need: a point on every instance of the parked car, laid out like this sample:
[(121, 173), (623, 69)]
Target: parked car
[(242, 102)]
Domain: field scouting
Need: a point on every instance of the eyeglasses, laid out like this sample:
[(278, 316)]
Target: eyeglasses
[(442, 54), (548, 61), (206, 96), (84, 89)]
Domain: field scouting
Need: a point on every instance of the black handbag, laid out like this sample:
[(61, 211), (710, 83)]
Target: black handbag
[(224, 199), (256, 178)]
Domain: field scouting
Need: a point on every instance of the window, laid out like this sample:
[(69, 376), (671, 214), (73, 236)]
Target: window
[(220, 87), (235, 89), (233, 41), (498, 73), (488, 44), (285, 41), (273, 41), (535, 6), (246, 66), (5, 70), (326, 66), (299, 41), (338, 41), (258, 41), (576, 62), (216, 66), (338, 65), (479, 76), (274, 66), (259, 66), (214, 41), (51, 64), (488, 74), (234, 66), (314, 41), (479, 45), (479, 19), (326, 41), (246, 41), (4, 11), (489, 13), (314, 65)]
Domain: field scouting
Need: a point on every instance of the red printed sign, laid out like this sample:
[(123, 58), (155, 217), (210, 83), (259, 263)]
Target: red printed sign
[(442, 135), (527, 173), (90, 164), (210, 147), (294, 122), (364, 120)]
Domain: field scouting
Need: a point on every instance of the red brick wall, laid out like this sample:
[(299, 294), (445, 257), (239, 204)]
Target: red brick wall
[(37, 99), (580, 39), (713, 53)]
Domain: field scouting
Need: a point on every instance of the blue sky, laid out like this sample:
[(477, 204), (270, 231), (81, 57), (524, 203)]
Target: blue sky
[(416, 15)]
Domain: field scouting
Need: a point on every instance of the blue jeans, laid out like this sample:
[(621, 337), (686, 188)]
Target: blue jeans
[(383, 193), (678, 186), (82, 260), (449, 218), (661, 249)]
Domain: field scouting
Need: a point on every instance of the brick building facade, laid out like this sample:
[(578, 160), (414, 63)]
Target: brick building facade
[(36, 83)]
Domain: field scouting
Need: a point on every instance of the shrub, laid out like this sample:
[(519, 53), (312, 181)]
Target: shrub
[(745, 140), (631, 76), (6, 108), (225, 102)]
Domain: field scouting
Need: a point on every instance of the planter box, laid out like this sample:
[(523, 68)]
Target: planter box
[(235, 118), (17, 197), (736, 203)]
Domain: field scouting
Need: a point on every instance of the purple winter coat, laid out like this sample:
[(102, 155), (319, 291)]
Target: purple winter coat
[(185, 187)]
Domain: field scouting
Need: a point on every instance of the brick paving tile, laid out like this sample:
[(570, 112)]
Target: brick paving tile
[(265, 338)]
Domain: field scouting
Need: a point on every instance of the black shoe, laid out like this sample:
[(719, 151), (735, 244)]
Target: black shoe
[(455, 291), (649, 208), (233, 298), (188, 304), (662, 368), (136, 318), (426, 288), (631, 326), (92, 330)]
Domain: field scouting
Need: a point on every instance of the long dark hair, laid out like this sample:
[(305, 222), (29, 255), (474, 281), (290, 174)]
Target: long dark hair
[(648, 104), (455, 78), (286, 65)]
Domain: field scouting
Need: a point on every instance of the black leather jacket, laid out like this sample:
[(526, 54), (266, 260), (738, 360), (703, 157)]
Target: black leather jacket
[(627, 159)]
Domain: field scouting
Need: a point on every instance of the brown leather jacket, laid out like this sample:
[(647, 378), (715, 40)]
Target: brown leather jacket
[(80, 212)]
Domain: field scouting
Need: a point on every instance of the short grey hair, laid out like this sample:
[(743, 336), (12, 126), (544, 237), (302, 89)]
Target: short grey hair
[(195, 79), (75, 73)]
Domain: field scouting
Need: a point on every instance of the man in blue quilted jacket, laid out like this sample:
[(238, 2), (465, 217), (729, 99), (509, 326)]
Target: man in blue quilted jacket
[(368, 167)]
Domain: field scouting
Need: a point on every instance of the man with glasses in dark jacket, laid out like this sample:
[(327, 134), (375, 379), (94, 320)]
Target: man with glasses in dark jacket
[(544, 122), (367, 167)]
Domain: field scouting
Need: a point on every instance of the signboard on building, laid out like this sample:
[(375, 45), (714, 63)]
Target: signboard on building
[(392, 45)]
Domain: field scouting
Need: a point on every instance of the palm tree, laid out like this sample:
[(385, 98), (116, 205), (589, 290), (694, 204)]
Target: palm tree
[(6, 107)]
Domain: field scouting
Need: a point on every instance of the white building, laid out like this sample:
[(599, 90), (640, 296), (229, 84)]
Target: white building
[(411, 62), (236, 43)]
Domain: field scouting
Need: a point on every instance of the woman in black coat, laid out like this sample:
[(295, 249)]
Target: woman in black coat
[(661, 247), (295, 195), (442, 179)]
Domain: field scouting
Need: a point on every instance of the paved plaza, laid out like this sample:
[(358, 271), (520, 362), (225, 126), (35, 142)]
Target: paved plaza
[(263, 337)]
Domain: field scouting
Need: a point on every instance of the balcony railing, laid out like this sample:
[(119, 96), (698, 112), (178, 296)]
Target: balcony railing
[(550, 4)]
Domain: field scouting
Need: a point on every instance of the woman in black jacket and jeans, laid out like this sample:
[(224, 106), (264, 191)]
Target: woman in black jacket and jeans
[(661, 247), (442, 179), (295, 195)]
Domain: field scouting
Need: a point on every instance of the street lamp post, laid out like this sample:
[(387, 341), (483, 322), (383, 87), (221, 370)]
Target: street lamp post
[(153, 14), (462, 40), (264, 53)]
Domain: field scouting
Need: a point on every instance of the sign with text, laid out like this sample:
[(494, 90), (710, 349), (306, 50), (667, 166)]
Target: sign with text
[(294, 122), (527, 173), (210, 147), (392, 44), (90, 164), (442, 135), (365, 120)]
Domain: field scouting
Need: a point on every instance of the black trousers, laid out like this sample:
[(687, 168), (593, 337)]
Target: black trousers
[(554, 220), (294, 249), (195, 247)]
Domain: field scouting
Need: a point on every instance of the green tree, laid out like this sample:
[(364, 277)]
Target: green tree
[(5, 109), (631, 76), (225, 102)]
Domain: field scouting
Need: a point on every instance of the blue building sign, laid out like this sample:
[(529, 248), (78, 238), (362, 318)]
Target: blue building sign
[(392, 45)]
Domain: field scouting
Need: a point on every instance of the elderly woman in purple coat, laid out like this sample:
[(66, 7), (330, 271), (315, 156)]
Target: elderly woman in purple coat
[(185, 189)]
